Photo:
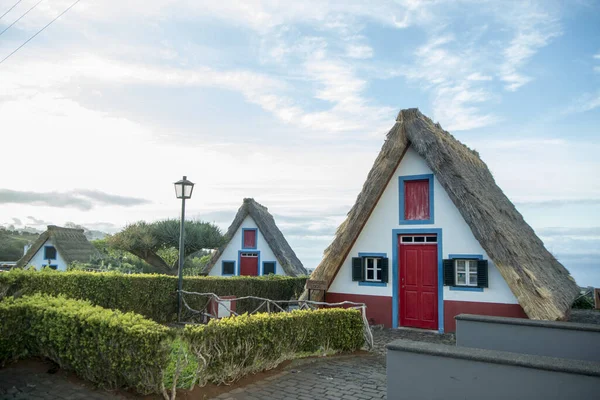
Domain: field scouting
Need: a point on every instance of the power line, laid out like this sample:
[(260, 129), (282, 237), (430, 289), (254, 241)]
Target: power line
[(18, 19), (41, 30), (7, 11)]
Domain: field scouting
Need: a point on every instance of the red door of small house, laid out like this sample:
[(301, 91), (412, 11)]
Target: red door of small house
[(418, 282), (249, 264)]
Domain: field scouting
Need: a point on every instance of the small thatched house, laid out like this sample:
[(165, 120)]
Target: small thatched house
[(254, 246), (431, 236), (57, 248)]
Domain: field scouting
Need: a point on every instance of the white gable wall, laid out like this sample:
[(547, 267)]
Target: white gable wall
[(38, 260), (235, 245), (457, 238)]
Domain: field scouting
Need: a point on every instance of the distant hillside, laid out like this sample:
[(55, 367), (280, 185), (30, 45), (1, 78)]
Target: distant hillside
[(13, 242)]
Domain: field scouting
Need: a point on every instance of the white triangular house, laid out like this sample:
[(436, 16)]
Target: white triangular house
[(432, 236), (254, 246), (57, 247)]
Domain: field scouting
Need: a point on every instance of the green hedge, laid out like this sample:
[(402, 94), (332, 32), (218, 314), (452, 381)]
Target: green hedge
[(153, 296), (103, 346), (236, 346)]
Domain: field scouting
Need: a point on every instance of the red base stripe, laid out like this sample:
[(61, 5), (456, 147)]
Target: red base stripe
[(453, 308), (379, 308)]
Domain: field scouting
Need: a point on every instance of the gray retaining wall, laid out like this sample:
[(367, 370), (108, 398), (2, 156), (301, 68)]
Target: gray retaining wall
[(426, 371), (544, 338)]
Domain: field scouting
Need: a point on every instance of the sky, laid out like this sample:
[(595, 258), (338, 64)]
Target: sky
[(289, 102)]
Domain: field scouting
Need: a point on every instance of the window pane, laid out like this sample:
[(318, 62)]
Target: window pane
[(370, 274), (370, 263), (407, 239), (473, 266), (473, 279), (460, 265), (228, 268), (378, 274), (420, 239), (461, 278), (431, 239), (268, 268)]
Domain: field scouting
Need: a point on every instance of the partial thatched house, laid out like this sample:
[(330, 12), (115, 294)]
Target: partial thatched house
[(57, 248), (254, 245), (431, 236)]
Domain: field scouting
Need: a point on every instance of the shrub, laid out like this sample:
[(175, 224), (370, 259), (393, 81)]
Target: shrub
[(153, 296), (233, 347), (103, 346)]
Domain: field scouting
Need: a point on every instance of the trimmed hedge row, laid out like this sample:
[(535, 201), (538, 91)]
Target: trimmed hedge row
[(153, 296), (103, 346), (233, 347)]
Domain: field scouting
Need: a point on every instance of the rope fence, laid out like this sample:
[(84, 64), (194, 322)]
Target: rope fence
[(274, 306)]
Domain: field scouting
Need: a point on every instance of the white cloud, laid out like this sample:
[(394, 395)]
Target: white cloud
[(359, 51), (535, 27), (451, 75), (585, 102)]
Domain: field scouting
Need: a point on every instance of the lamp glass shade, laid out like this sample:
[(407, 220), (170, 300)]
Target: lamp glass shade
[(184, 188)]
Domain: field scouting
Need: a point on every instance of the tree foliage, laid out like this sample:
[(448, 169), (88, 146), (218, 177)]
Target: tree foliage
[(156, 243)]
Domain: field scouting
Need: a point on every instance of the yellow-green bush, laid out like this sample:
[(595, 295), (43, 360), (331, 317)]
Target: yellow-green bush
[(107, 347), (233, 347), (153, 296)]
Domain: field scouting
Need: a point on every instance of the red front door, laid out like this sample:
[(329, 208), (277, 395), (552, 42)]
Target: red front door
[(418, 282), (249, 264)]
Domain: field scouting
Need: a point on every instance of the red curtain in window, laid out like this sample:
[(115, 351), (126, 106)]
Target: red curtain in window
[(416, 200), (250, 239)]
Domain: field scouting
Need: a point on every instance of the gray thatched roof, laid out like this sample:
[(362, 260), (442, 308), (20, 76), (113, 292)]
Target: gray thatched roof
[(286, 257), (71, 244), (543, 287)]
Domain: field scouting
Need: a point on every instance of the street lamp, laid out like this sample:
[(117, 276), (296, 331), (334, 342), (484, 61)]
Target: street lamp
[(183, 191)]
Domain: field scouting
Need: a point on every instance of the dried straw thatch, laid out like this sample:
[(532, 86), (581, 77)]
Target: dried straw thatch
[(71, 244), (543, 287), (286, 257)]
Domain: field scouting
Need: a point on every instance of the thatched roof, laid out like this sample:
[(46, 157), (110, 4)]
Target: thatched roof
[(70, 243), (543, 287), (286, 257)]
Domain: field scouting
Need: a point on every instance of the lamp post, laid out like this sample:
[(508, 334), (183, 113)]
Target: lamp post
[(183, 191)]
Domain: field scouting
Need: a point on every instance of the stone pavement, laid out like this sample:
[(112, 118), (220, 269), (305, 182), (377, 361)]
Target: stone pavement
[(31, 380), (354, 377)]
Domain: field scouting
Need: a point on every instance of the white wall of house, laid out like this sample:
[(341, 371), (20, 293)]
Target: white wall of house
[(457, 238), (38, 260), (235, 245)]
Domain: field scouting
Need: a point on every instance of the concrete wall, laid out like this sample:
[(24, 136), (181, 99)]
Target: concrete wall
[(235, 245), (545, 338), (425, 371), (38, 259)]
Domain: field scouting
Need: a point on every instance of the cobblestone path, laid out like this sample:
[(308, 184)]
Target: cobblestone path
[(357, 377)]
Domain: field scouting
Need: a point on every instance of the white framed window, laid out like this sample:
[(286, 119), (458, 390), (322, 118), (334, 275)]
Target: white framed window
[(466, 272), (372, 269)]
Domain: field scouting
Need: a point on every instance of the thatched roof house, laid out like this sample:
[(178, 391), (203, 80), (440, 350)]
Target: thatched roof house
[(59, 246), (253, 236), (540, 284)]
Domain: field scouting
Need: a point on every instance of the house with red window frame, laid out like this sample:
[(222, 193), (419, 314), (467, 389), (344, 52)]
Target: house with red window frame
[(432, 236), (254, 246)]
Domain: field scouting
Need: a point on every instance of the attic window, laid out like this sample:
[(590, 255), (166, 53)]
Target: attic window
[(49, 253), (249, 238), (416, 199)]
